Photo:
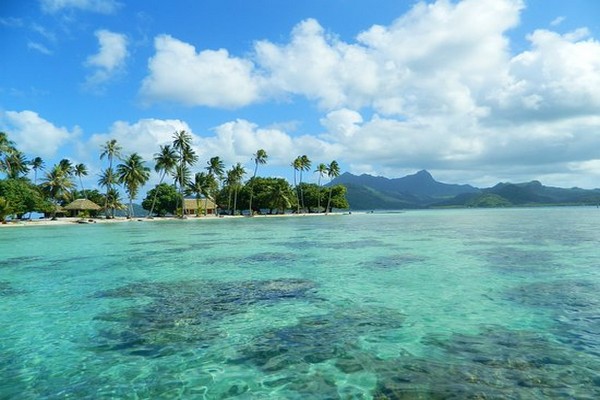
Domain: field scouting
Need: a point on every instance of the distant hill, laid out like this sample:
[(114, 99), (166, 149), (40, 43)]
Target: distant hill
[(413, 191), (421, 190)]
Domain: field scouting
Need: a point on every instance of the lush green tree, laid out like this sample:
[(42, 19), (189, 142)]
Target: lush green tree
[(201, 186), (165, 163), (113, 201), (107, 179), (273, 194), (162, 199), (111, 150), (7, 147), (132, 174), (37, 164), (23, 196), (5, 209), (322, 171), (81, 170), (314, 195), (182, 143), (57, 184), (260, 157), (15, 164), (333, 171), (234, 183), (338, 197)]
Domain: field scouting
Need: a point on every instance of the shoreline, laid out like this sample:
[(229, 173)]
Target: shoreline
[(91, 221)]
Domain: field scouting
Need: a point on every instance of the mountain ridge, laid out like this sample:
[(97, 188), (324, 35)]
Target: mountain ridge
[(421, 190)]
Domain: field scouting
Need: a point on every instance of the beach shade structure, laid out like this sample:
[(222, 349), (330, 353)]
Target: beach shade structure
[(80, 205)]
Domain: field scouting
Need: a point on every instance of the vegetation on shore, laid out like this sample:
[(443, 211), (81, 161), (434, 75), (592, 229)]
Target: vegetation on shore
[(59, 184)]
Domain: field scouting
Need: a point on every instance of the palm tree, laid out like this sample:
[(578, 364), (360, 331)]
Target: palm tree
[(113, 200), (296, 164), (216, 169), (111, 150), (304, 166), (36, 164), (322, 170), (260, 157), (333, 171), (166, 162), (203, 185), (81, 170), (106, 180), (182, 143), (237, 174), (57, 184), (15, 164), (7, 147), (132, 174)]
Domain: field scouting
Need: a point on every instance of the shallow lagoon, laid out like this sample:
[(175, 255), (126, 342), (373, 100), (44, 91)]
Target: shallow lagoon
[(445, 304)]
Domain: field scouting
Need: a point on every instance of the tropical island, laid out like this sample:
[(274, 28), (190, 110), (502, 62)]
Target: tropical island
[(184, 188)]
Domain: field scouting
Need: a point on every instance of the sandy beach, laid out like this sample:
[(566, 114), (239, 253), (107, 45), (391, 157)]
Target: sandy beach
[(89, 221)]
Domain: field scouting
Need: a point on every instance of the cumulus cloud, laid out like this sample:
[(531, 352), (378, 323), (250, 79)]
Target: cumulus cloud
[(97, 6), (110, 58), (438, 88), (207, 78), (144, 136), (34, 135)]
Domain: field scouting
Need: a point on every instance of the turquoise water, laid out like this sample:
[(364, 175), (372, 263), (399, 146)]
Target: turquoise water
[(417, 305)]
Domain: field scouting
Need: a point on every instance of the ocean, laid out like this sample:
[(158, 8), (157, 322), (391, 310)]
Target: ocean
[(431, 304)]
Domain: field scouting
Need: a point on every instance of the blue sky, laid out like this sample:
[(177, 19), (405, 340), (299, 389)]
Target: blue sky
[(475, 91)]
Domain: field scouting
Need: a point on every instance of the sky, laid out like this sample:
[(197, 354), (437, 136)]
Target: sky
[(474, 91)]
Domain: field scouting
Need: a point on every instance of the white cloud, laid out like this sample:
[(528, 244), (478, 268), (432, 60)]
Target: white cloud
[(34, 135), (97, 6), (39, 47), (208, 78), (144, 136), (110, 58)]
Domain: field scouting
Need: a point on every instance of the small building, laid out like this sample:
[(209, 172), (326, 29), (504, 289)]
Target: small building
[(79, 205), (191, 207)]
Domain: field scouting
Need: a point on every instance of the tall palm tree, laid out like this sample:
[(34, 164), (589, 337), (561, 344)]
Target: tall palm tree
[(81, 170), (304, 166), (333, 171), (15, 164), (322, 171), (165, 162), (297, 164), (36, 164), (203, 185), (260, 157), (7, 146), (132, 174), (237, 175), (216, 169), (111, 150), (57, 184), (108, 177), (182, 143), (113, 202)]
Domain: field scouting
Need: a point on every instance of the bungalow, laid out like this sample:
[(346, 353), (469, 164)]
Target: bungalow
[(191, 207)]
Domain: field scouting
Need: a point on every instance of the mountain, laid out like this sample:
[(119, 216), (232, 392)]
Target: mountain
[(413, 191), (421, 190)]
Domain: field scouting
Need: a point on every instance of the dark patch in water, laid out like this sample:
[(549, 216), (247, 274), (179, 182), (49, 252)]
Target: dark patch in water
[(511, 259), (393, 262), (271, 257), (7, 289), (316, 339), (186, 312), (495, 364), (19, 261), (575, 306), (314, 244)]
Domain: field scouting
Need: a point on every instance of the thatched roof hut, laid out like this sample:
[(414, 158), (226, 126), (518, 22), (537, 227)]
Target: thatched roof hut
[(82, 205)]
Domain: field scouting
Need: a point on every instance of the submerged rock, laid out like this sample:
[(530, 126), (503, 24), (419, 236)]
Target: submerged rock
[(186, 312)]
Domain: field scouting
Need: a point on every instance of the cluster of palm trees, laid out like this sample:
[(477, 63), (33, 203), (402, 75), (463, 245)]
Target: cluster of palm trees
[(175, 160)]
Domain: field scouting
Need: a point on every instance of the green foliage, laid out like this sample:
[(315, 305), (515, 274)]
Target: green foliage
[(487, 200), (5, 209), (23, 196), (338, 197), (166, 200)]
